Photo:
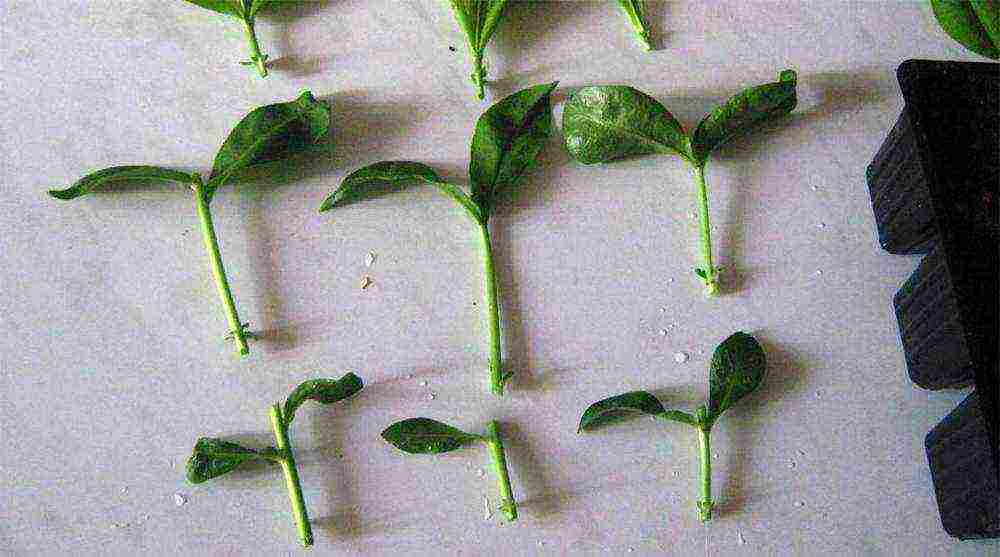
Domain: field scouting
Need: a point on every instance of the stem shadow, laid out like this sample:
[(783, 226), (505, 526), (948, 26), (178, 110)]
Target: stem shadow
[(786, 373), (284, 14), (531, 472)]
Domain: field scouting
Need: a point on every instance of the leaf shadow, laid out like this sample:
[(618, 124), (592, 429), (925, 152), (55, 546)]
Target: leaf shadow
[(532, 472), (528, 23), (786, 373), (284, 14)]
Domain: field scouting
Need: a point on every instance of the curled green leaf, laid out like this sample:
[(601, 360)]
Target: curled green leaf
[(619, 407), (324, 391), (509, 137), (426, 436), (742, 113), (737, 369), (608, 122), (975, 24), (212, 458), (270, 133), (97, 180)]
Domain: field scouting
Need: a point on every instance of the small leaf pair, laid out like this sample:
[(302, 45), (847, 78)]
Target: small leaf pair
[(266, 134), (479, 19), (246, 11), (212, 457), (737, 369), (609, 122), (427, 436), (506, 144), (973, 23)]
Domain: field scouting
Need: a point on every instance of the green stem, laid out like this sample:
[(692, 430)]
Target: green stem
[(705, 504), (291, 476), (507, 503), (497, 376), (258, 59), (711, 277), (639, 23), (218, 270), (479, 74)]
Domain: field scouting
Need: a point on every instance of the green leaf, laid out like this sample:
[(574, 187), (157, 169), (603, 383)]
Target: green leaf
[(270, 133), (212, 458), (508, 139), (617, 408), (479, 20), (678, 416), (608, 122), (259, 5), (973, 23), (426, 436), (226, 7), (636, 12), (324, 391), (97, 180), (737, 370), (742, 113)]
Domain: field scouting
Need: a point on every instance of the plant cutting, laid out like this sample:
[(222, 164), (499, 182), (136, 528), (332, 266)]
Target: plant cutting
[(609, 122), (737, 369), (975, 24), (267, 134), (427, 436), (212, 457), (636, 12), (245, 11), (507, 141), (479, 19)]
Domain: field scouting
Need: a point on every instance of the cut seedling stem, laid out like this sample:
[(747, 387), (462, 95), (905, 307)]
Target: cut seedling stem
[(711, 276), (497, 376), (256, 57), (507, 503), (705, 504), (287, 461), (218, 270)]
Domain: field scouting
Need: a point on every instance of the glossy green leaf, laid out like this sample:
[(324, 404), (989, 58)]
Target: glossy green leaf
[(102, 178), (619, 407), (212, 458), (508, 139), (636, 12), (737, 369), (324, 391), (608, 122), (226, 7), (426, 436), (742, 113), (270, 133), (975, 24)]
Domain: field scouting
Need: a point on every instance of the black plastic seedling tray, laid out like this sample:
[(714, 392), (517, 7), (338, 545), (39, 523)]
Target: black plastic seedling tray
[(935, 189)]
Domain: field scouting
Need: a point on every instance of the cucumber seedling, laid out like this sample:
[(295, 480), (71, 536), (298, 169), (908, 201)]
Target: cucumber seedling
[(508, 139), (427, 436), (212, 457), (266, 134), (608, 122), (737, 369), (479, 19)]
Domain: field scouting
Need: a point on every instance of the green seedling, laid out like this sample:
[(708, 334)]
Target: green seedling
[(479, 19), (246, 12)]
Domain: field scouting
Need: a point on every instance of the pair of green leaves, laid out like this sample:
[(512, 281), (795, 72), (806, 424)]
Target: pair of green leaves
[(427, 436), (266, 134), (737, 369), (973, 23), (509, 137), (636, 12), (212, 457), (246, 11), (478, 19), (608, 122)]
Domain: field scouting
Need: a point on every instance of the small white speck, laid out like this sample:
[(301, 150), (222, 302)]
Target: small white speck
[(409, 376), (791, 464), (800, 504), (670, 280), (370, 259), (179, 499), (819, 394), (541, 543), (125, 489), (663, 310), (715, 456), (819, 272), (431, 396), (663, 332), (693, 215), (366, 282), (739, 536), (815, 188), (802, 453), (821, 225), (423, 383), (631, 549), (681, 357)]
